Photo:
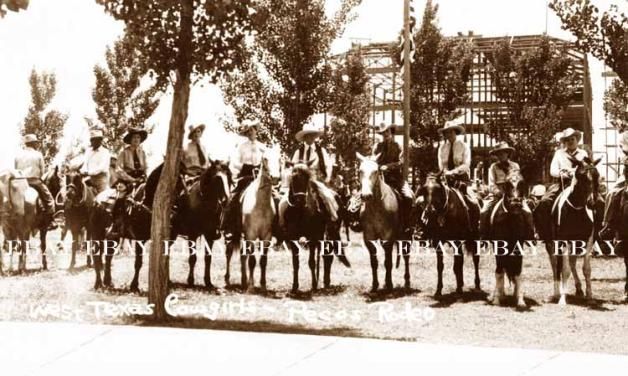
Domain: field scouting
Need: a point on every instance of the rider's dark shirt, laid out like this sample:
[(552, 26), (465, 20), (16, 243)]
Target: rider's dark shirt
[(390, 155)]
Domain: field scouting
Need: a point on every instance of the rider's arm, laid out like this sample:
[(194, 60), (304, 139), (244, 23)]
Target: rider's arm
[(120, 171), (466, 160), (41, 165), (236, 160), (555, 166), (101, 163), (441, 163), (329, 167)]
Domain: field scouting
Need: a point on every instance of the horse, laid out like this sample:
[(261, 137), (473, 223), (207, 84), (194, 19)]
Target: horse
[(447, 218), (258, 214), (379, 218), (574, 215), (77, 203), (19, 216), (508, 224), (303, 217)]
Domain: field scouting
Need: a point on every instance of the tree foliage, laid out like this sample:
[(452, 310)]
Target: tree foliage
[(120, 100), (616, 105), (41, 120), (439, 76), (350, 107), (287, 79), (536, 85), (605, 36), (12, 5)]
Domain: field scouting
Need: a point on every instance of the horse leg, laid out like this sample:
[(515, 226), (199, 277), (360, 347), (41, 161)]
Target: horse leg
[(439, 270), (75, 245), (263, 261), (228, 254), (244, 254), (312, 265), (499, 288), (97, 257), (625, 253), (138, 265), (107, 277), (458, 266), (192, 264), (476, 263), (563, 276), (42, 239), (252, 261), (573, 262), (295, 267), (388, 263), (88, 258), (207, 278), (406, 274), (586, 270), (373, 255), (555, 263), (22, 259)]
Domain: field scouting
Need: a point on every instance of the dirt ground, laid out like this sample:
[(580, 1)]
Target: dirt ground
[(346, 309)]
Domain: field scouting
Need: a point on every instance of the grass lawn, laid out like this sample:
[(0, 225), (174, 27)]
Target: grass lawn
[(346, 309)]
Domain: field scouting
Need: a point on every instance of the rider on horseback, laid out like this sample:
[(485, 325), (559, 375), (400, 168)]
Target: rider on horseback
[(562, 170), (96, 164), (454, 159), (31, 163), (131, 165), (194, 155), (245, 164), (389, 161), (497, 176)]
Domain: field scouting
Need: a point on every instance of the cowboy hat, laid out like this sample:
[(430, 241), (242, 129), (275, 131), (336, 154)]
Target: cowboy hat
[(570, 132), (194, 128), (247, 125), (456, 125), (30, 138), (308, 129), (502, 146), (538, 190), (383, 127), (131, 131), (95, 133)]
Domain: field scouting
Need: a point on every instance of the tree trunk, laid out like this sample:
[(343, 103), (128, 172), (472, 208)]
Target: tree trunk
[(159, 275)]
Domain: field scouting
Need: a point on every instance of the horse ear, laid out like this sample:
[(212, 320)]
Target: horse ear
[(360, 156), (376, 156), (597, 161)]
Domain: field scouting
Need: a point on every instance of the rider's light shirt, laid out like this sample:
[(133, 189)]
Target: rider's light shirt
[(126, 162), (308, 155), (192, 158), (462, 157), (497, 175), (247, 153), (561, 160), (96, 161), (30, 162)]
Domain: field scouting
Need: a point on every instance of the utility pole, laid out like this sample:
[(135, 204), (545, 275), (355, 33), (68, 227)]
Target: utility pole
[(406, 88)]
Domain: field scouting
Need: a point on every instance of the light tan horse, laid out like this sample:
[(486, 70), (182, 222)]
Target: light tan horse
[(258, 214), (19, 214), (380, 219)]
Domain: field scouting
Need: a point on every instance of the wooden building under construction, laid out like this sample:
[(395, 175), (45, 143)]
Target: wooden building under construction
[(483, 110)]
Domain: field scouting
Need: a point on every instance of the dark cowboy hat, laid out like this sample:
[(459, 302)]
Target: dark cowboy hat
[(29, 139), (456, 125), (502, 146), (194, 128), (131, 131)]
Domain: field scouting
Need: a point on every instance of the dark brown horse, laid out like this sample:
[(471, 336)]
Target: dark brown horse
[(303, 218), (78, 200), (446, 218), (573, 217), (508, 224)]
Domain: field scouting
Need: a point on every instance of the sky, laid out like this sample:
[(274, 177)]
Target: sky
[(68, 37)]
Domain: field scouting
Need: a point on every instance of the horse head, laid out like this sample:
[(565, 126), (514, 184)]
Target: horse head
[(515, 190), (215, 182), (75, 188), (299, 183), (434, 192), (369, 175), (586, 177)]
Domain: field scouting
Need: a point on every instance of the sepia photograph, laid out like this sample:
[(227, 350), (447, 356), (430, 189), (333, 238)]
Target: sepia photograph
[(296, 187)]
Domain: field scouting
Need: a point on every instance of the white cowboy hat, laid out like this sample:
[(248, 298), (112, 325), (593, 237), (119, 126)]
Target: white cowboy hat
[(194, 128), (457, 125), (570, 132), (308, 129), (247, 125), (95, 133), (502, 146), (383, 127), (29, 138), (131, 131), (538, 190)]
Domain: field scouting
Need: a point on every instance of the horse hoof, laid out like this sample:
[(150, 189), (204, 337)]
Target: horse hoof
[(562, 301), (374, 288), (438, 293), (190, 281), (552, 299), (459, 290), (388, 287), (579, 293), (495, 301), (134, 288), (521, 306)]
